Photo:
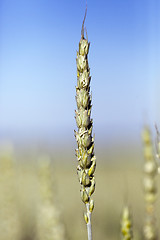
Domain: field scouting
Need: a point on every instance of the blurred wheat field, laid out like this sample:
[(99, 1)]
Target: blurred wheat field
[(109, 199), (33, 189)]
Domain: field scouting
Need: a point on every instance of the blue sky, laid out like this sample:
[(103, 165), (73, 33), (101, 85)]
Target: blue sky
[(38, 44)]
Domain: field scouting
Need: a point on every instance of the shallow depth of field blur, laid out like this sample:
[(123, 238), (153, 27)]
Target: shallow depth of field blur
[(39, 188)]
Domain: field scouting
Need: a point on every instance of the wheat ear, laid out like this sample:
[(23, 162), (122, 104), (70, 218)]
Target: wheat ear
[(158, 147), (85, 141), (9, 216), (150, 191), (49, 225), (126, 224)]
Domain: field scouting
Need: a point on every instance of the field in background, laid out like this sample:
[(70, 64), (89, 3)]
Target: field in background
[(113, 184), (119, 177)]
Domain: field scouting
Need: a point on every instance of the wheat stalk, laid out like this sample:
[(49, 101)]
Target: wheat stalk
[(85, 141), (126, 224), (150, 191), (157, 146), (49, 225), (9, 218)]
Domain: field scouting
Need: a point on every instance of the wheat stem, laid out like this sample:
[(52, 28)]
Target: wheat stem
[(89, 225)]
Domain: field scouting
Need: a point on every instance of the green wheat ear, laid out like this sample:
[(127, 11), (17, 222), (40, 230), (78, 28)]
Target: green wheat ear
[(150, 190), (85, 141), (126, 224)]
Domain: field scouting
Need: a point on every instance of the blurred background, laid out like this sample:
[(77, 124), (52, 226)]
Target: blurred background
[(38, 43)]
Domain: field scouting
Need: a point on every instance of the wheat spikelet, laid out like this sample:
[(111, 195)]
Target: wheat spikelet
[(126, 224), (150, 190), (9, 219), (85, 141), (49, 225)]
